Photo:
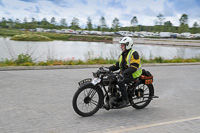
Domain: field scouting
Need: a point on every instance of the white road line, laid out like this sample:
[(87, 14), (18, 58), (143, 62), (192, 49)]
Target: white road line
[(153, 125)]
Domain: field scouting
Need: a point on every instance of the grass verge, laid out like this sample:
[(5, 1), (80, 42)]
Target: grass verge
[(26, 60)]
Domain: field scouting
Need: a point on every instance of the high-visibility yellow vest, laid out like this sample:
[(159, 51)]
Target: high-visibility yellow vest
[(128, 59)]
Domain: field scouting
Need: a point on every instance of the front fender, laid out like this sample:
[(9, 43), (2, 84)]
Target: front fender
[(87, 85)]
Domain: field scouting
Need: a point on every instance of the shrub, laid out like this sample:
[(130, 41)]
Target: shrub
[(9, 62), (23, 58), (27, 64), (158, 60), (79, 62), (143, 60), (58, 63), (42, 63), (30, 37)]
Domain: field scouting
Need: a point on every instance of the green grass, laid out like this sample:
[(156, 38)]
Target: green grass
[(10, 32), (30, 37), (26, 60), (55, 36)]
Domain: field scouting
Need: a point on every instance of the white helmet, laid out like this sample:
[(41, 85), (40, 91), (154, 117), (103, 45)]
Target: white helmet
[(128, 41)]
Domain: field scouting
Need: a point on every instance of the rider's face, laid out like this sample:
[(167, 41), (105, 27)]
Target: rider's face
[(123, 47)]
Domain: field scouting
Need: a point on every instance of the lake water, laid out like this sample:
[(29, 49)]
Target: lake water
[(66, 50)]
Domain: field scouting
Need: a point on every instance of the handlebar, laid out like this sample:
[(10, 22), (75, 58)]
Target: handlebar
[(104, 71)]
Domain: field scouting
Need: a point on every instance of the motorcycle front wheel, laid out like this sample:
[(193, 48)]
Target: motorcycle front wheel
[(87, 101), (141, 96)]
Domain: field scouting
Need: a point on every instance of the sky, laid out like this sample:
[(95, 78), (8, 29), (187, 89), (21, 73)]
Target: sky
[(146, 11)]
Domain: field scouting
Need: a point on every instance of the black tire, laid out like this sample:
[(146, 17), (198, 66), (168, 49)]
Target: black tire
[(145, 96), (83, 97)]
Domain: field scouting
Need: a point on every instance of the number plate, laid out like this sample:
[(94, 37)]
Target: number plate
[(96, 81), (85, 81), (148, 81)]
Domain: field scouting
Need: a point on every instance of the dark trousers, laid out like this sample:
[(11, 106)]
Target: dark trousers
[(121, 83)]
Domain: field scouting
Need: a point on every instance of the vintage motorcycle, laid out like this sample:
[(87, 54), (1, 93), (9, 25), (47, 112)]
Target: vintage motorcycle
[(102, 92)]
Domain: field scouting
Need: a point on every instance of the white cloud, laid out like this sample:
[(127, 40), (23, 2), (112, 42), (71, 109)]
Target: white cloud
[(145, 10)]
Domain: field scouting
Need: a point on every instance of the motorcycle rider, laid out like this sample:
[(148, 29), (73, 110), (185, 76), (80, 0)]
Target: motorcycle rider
[(129, 65)]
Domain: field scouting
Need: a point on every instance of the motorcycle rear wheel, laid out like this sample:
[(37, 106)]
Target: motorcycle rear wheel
[(87, 101), (141, 96)]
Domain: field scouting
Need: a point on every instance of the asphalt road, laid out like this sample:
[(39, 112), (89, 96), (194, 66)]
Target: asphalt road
[(40, 101)]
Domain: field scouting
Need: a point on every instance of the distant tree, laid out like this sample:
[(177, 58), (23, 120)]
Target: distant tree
[(25, 23), (168, 26), (10, 20), (17, 21), (89, 24), (33, 20), (183, 19), (183, 28), (138, 28), (17, 24), (103, 24), (160, 20), (25, 20), (31, 25), (111, 30), (45, 23), (183, 24), (53, 20), (10, 23), (75, 24), (3, 20), (195, 28), (98, 28), (94, 26), (115, 24), (63, 22), (158, 28), (159, 23), (44, 20), (134, 21)]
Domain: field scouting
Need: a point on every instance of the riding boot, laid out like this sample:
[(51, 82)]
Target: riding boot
[(122, 88)]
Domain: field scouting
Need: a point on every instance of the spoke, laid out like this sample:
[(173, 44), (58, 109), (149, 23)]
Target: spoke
[(82, 106), (145, 89), (94, 102), (86, 107), (91, 106), (85, 93), (135, 98), (142, 86), (80, 98)]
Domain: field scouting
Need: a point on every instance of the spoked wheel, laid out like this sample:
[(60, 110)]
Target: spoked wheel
[(142, 95), (87, 101)]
